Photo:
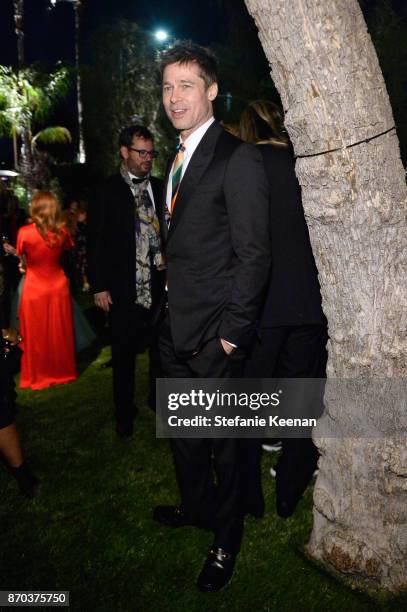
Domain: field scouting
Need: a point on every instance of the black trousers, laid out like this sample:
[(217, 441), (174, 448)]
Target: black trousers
[(9, 367), (199, 461), (286, 352), (131, 333)]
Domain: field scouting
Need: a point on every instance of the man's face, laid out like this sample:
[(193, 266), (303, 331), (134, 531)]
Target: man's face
[(187, 100), (138, 163)]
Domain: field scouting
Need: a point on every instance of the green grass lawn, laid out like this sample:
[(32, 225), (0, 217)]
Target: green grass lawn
[(90, 530)]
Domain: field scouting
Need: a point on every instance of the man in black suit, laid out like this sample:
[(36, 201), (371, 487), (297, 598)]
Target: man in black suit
[(218, 256), (126, 265)]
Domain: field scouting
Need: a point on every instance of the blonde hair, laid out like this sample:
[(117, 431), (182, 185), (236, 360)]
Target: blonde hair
[(232, 128), (45, 212), (262, 123)]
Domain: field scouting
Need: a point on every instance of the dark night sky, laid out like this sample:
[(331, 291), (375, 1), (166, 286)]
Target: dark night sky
[(49, 33)]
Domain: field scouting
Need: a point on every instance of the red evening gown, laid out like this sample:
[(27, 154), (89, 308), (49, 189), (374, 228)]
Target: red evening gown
[(45, 313)]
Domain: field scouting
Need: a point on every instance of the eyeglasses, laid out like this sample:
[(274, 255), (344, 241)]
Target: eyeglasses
[(143, 153)]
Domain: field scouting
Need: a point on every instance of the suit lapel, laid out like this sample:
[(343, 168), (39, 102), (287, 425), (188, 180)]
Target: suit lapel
[(163, 221), (199, 162), (157, 187), (127, 195)]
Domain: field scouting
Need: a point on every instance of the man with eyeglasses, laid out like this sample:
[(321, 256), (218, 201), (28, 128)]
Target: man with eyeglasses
[(126, 265)]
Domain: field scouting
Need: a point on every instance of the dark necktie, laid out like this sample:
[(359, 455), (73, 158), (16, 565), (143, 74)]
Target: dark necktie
[(137, 181)]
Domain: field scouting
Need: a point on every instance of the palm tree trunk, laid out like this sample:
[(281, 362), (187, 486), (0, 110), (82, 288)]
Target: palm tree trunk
[(339, 118), (19, 30), (25, 162), (82, 153)]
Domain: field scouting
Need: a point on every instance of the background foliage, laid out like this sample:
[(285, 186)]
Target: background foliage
[(121, 86), (27, 96)]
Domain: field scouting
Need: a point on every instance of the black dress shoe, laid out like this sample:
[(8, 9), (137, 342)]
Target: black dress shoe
[(217, 570)]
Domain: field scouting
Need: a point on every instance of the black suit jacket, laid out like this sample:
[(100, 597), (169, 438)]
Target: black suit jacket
[(218, 245), (293, 295), (112, 242)]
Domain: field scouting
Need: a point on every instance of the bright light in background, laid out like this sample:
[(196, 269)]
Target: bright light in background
[(55, 2), (161, 35)]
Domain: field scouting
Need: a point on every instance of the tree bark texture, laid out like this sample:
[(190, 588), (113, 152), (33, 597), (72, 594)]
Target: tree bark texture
[(326, 70)]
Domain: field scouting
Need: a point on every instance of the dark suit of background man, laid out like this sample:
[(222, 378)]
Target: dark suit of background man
[(126, 265), (292, 333), (218, 255)]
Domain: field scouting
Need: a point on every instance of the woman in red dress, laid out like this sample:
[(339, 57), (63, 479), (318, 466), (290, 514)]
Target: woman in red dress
[(45, 310)]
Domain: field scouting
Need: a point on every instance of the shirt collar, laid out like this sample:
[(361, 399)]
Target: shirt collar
[(195, 138)]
